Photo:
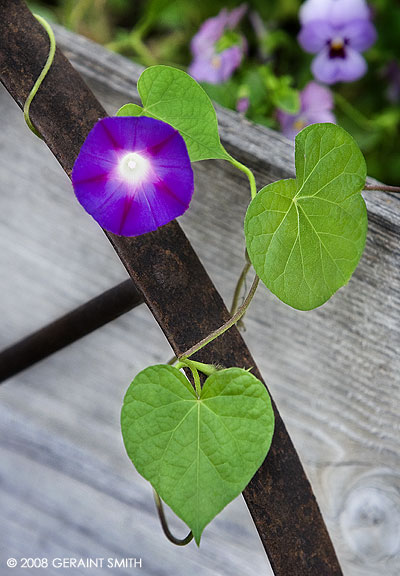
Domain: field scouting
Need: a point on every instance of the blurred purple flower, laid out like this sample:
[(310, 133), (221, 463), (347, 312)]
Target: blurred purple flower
[(392, 74), (316, 105), (242, 105), (133, 174), (337, 31), (213, 63)]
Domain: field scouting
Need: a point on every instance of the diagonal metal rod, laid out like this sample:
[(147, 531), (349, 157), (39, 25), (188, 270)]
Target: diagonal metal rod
[(178, 291), (69, 328)]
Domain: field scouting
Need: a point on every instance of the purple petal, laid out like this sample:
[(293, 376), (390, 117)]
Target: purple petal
[(287, 123), (242, 105), (235, 16), (322, 117), (209, 33), (361, 34), (315, 34), (206, 69), (316, 107), (218, 68), (392, 74), (343, 11), (332, 70), (133, 174), (336, 12), (230, 60), (316, 99), (314, 10)]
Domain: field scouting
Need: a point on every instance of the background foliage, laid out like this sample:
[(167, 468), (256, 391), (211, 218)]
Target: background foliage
[(160, 31)]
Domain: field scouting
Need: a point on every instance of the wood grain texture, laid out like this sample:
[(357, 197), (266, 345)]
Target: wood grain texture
[(334, 372)]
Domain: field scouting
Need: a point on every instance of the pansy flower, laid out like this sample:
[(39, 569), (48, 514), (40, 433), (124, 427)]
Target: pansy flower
[(218, 50), (316, 105), (133, 175), (338, 31)]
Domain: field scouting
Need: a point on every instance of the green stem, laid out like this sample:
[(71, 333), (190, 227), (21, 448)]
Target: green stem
[(249, 174), (354, 114), (43, 73), (382, 188), (239, 286), (164, 524), (135, 43), (196, 379), (231, 322), (206, 369)]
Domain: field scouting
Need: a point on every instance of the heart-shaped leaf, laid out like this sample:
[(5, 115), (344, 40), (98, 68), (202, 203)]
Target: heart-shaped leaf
[(305, 237), (198, 453), (173, 96)]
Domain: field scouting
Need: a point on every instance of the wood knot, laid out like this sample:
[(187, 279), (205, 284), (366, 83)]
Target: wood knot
[(370, 519)]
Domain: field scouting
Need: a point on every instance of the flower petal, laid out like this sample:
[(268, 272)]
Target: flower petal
[(235, 16), (337, 12), (316, 99), (321, 118), (343, 11), (332, 70), (133, 174), (204, 70), (361, 34), (230, 60), (316, 107), (315, 34), (314, 10), (209, 33), (217, 69)]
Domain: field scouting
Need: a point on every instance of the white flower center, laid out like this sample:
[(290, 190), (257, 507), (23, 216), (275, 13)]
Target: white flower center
[(133, 167)]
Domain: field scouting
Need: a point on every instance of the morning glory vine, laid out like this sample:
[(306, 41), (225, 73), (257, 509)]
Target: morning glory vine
[(199, 446)]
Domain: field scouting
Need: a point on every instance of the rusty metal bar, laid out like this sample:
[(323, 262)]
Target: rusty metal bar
[(71, 327), (178, 291)]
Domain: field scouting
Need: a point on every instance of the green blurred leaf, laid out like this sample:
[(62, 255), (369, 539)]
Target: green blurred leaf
[(198, 453), (287, 99), (305, 237)]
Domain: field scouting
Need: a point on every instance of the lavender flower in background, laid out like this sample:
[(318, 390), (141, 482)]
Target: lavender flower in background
[(242, 105), (392, 75), (337, 31), (212, 61), (316, 105), (133, 174)]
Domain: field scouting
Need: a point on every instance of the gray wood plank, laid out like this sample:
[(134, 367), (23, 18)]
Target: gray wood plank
[(334, 372)]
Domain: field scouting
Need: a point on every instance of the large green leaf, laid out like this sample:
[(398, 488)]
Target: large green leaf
[(198, 453), (305, 237), (173, 96)]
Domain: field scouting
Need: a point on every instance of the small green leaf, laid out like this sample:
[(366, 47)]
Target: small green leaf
[(130, 110), (287, 99), (173, 96), (305, 237), (198, 453)]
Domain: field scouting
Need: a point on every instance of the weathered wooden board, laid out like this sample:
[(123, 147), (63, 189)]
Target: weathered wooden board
[(66, 487)]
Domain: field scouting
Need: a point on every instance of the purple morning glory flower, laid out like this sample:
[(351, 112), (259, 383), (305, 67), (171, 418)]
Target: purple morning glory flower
[(212, 61), (337, 31), (133, 175), (316, 105)]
